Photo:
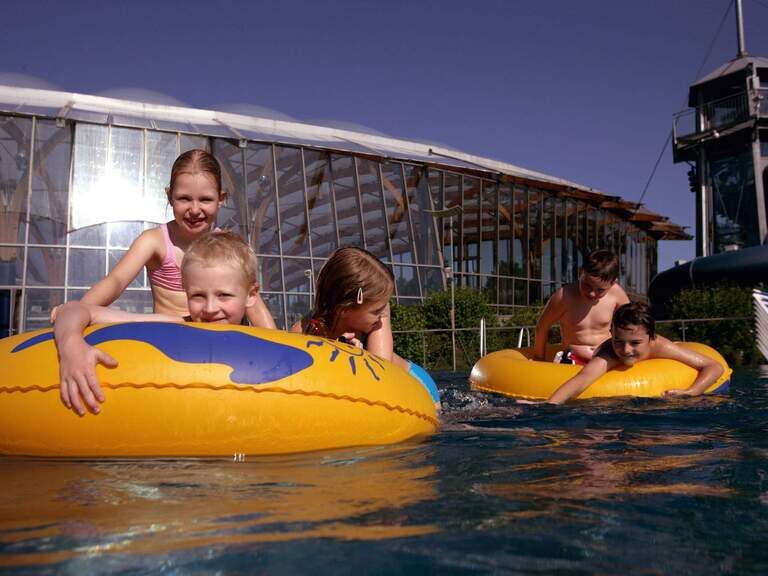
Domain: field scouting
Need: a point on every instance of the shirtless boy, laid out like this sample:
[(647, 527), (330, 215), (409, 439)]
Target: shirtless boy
[(583, 309), (634, 339)]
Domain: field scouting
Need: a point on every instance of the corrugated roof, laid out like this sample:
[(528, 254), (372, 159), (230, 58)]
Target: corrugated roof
[(107, 110)]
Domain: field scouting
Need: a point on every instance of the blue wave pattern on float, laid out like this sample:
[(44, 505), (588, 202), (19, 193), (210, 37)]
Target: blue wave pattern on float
[(253, 360)]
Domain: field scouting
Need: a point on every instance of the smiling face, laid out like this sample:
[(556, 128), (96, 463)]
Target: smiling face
[(630, 343), (363, 318), (218, 294), (195, 200), (593, 288)]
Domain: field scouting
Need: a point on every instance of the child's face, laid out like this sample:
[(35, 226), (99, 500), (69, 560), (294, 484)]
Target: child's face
[(218, 294), (592, 287), (364, 318), (195, 201), (630, 343)]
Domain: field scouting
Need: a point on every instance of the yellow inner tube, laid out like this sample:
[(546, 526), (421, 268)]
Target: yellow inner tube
[(511, 373), (209, 390)]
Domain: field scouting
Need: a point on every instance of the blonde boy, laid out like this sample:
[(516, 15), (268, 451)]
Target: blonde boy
[(219, 277), (583, 309)]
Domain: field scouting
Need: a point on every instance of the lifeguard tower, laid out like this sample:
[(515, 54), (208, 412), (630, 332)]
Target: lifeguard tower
[(724, 138)]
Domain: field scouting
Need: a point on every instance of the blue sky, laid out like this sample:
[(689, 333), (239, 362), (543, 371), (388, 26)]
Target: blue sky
[(579, 89)]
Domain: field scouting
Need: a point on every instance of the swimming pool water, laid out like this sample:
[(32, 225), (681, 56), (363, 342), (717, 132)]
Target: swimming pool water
[(628, 486)]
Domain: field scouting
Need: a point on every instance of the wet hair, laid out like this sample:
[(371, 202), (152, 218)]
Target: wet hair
[(602, 264), (194, 162), (351, 277), (221, 247), (635, 314)]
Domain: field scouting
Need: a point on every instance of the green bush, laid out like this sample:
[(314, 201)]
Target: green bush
[(411, 344), (734, 339), (470, 306)]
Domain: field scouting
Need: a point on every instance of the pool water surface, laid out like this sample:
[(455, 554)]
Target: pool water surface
[(622, 486)]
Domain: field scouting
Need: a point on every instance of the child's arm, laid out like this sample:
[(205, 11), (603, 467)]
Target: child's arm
[(78, 360), (109, 288), (380, 341), (595, 368), (259, 315), (551, 314), (709, 370)]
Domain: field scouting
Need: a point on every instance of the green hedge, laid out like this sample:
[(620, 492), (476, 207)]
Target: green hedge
[(734, 339)]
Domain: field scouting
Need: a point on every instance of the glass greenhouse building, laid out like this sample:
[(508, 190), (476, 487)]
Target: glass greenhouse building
[(81, 176)]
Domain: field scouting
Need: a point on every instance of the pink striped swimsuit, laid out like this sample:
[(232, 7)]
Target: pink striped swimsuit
[(168, 275)]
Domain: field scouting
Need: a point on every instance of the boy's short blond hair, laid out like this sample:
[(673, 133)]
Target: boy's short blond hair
[(220, 247)]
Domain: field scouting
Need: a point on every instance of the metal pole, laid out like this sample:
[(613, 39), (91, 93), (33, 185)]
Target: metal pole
[(453, 298), (740, 30)]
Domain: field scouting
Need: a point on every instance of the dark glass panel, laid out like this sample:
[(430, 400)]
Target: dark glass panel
[(89, 236), (489, 286), (296, 275), (347, 202), (560, 243), (521, 292), (406, 279), (86, 267), (520, 246), (534, 237), (506, 224), (299, 307), (162, 151), (397, 213), (489, 226), (471, 225), (270, 278), (15, 134), (534, 293), (322, 217), (431, 280), (424, 225), (262, 210), (189, 142), (290, 190), (274, 303), (11, 265), (234, 214), (38, 306), (45, 266), (734, 203), (451, 198), (572, 240), (122, 234), (506, 294), (50, 182), (376, 239), (548, 239)]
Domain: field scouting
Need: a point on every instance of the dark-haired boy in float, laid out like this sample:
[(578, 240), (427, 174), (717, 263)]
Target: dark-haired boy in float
[(584, 310), (634, 339)]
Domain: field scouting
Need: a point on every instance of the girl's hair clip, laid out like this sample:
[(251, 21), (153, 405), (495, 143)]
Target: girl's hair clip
[(360, 295)]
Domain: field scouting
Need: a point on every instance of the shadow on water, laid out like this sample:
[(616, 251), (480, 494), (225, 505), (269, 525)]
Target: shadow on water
[(602, 486)]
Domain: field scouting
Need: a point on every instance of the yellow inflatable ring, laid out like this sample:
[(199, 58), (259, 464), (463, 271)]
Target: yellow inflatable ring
[(209, 390), (511, 373)]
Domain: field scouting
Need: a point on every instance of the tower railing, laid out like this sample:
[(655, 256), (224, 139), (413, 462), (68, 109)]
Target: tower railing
[(720, 113)]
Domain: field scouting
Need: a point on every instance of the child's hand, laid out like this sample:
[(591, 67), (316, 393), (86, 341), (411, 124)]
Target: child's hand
[(54, 311), (350, 338), (521, 401), (77, 376)]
